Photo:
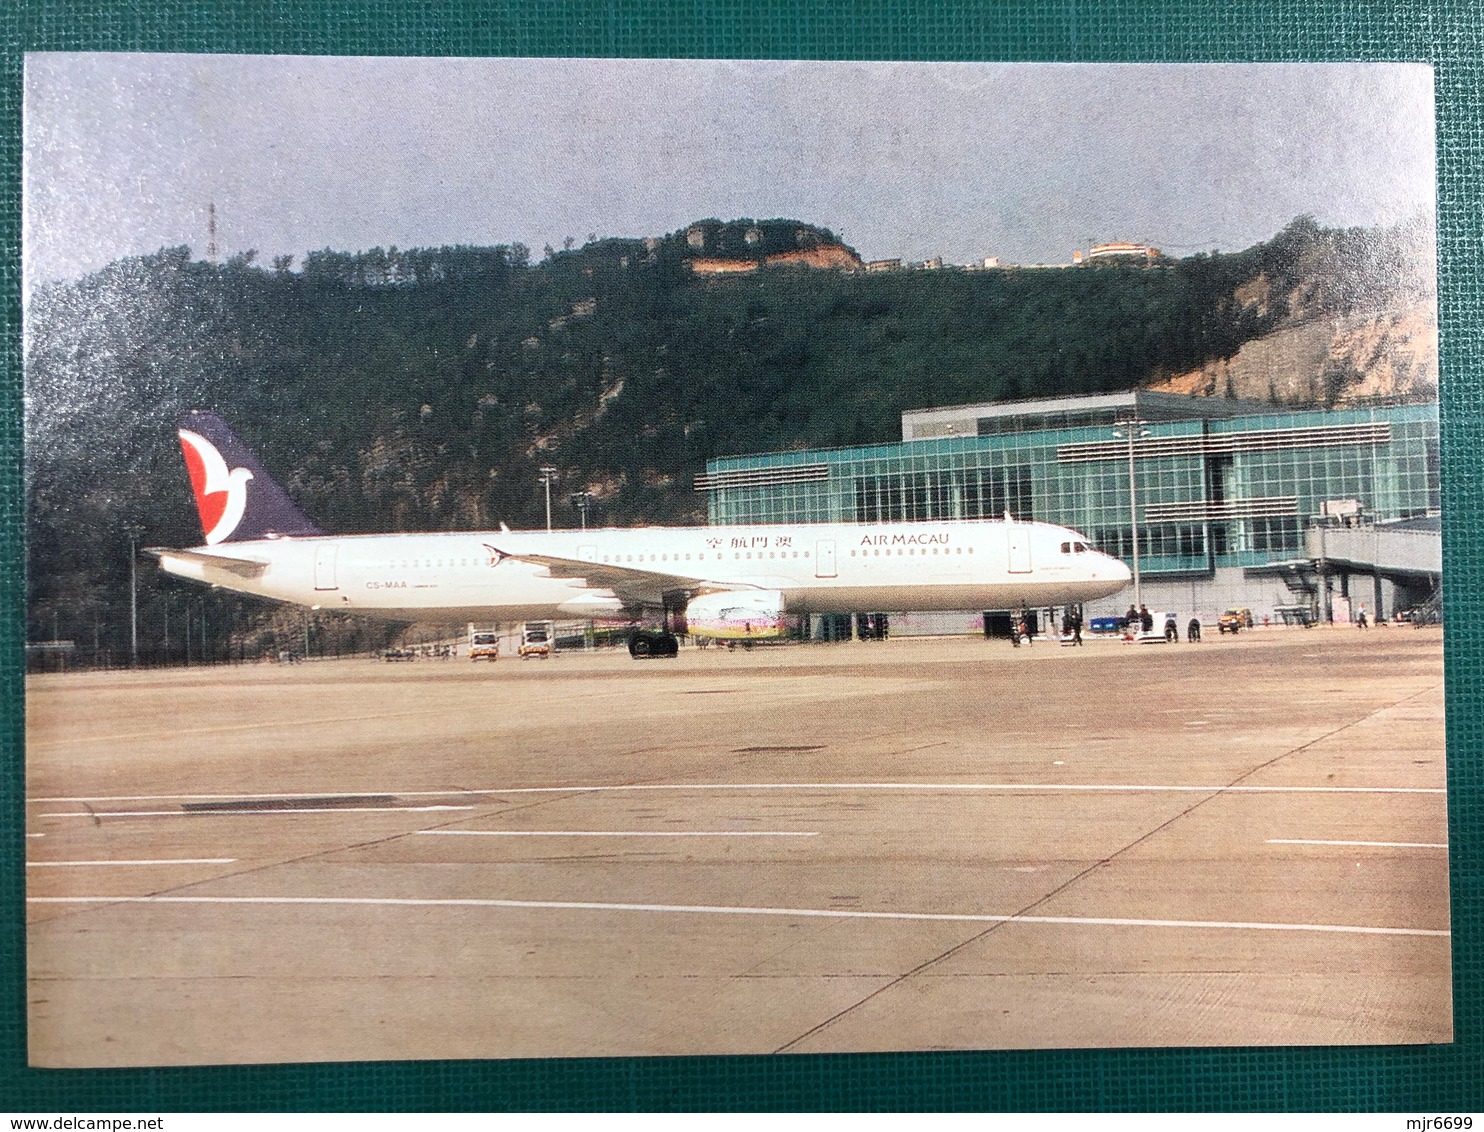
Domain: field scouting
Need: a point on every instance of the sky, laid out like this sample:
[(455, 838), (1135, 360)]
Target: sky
[(124, 153)]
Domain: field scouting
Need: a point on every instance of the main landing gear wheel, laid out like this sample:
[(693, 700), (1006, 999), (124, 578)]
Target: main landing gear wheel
[(645, 645)]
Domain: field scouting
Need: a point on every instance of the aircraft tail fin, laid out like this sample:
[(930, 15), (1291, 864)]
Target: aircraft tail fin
[(235, 496)]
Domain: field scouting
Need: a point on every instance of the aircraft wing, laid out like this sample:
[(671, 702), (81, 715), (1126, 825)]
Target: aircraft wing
[(630, 585), (245, 567)]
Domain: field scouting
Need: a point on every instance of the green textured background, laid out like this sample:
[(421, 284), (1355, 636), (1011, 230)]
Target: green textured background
[(1448, 34)]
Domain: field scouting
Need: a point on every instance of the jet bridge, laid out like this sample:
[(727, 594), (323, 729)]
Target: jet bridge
[(1405, 552), (1409, 554)]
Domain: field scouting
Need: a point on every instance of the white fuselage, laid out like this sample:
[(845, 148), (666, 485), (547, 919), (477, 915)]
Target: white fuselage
[(819, 568)]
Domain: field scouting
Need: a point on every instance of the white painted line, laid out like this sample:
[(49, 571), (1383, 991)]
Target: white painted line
[(35, 835), (1373, 844), (840, 786), (244, 797), (972, 786), (170, 861), (721, 910), (286, 812), (222, 729), (608, 833)]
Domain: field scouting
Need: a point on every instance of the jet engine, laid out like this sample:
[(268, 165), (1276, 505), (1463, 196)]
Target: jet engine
[(737, 615)]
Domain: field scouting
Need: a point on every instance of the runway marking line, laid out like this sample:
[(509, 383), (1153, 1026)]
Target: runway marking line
[(611, 833), (909, 786), (1369, 844), (221, 729), (237, 813), (724, 910), (171, 861)]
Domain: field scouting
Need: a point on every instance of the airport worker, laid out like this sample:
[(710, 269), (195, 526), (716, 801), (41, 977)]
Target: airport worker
[(1193, 630), (1146, 619), (1360, 620), (1076, 625)]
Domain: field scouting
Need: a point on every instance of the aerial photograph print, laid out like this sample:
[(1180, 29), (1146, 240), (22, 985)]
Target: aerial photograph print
[(553, 558)]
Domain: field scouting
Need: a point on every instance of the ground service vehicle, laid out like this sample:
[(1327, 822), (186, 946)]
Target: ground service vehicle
[(484, 644), (1234, 621), (1165, 630), (537, 638)]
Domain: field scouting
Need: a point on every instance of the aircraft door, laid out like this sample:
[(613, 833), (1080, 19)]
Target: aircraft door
[(824, 559), (1020, 547), (324, 567)]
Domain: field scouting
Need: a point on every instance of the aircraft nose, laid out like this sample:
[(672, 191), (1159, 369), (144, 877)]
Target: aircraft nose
[(1120, 568)]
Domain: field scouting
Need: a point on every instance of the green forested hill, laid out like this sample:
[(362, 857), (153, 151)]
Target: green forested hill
[(423, 390)]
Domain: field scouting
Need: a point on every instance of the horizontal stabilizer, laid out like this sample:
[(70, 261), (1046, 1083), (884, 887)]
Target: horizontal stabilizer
[(193, 563)]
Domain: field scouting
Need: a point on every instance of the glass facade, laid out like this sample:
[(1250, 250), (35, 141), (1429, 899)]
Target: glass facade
[(1209, 492)]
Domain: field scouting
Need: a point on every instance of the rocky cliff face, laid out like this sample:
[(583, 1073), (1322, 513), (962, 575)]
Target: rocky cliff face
[(834, 257), (1331, 360), (1355, 320)]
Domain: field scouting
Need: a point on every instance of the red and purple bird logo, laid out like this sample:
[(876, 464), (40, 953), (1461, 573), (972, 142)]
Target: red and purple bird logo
[(221, 494)]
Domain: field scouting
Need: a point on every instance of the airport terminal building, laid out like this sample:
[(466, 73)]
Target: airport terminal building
[(1238, 503)]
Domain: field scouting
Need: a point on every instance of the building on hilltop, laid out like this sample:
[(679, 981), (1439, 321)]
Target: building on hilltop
[(1120, 251)]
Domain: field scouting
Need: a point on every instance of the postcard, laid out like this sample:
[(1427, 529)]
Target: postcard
[(546, 558)]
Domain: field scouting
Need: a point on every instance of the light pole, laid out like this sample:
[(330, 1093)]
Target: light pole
[(1132, 431), (580, 500), (548, 477), (133, 531)]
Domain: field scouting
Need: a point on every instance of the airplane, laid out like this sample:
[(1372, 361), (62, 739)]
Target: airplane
[(729, 583)]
